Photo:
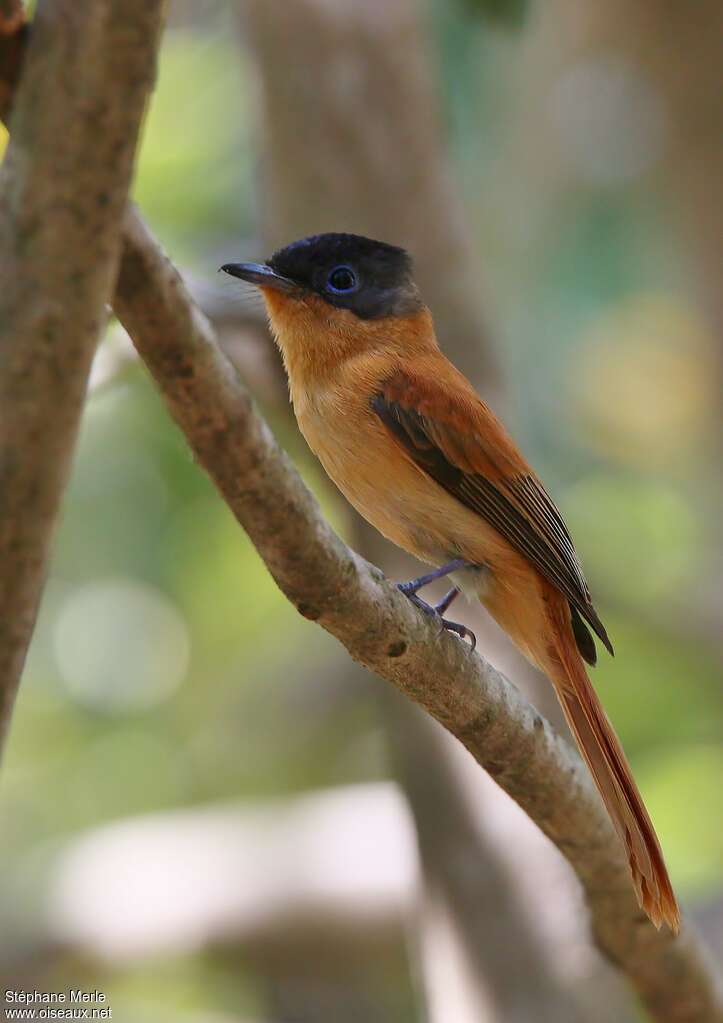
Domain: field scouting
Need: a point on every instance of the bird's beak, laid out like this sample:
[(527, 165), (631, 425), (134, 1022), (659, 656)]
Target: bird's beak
[(260, 275)]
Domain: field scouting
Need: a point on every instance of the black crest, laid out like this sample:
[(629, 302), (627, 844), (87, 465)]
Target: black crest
[(370, 278)]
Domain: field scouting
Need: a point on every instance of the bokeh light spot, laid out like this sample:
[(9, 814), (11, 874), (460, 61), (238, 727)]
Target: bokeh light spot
[(120, 645), (645, 381)]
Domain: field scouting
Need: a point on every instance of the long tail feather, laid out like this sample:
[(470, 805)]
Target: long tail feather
[(608, 765)]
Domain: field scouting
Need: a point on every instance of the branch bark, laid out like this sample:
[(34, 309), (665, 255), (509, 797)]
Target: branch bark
[(63, 187), (351, 599), (12, 16), (13, 42)]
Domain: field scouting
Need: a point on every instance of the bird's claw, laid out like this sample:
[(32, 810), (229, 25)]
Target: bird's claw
[(460, 630), (429, 609)]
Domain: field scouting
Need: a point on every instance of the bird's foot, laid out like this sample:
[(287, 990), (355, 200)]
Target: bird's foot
[(437, 611), (410, 588)]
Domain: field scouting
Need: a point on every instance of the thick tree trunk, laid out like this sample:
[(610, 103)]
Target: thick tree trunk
[(63, 189)]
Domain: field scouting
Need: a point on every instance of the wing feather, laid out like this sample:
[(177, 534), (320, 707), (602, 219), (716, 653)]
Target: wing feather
[(449, 444)]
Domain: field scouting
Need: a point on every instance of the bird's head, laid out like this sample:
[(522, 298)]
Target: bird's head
[(333, 295)]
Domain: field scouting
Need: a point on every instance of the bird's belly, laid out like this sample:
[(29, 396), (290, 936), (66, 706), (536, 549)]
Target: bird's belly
[(399, 499), (390, 497)]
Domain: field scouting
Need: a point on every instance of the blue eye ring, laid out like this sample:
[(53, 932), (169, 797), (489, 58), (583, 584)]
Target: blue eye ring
[(341, 280)]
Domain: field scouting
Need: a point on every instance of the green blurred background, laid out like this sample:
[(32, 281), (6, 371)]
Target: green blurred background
[(167, 672)]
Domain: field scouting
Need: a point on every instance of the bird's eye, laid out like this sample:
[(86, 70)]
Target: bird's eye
[(342, 279)]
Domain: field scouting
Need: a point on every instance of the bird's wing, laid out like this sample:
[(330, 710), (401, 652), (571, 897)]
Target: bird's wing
[(453, 436)]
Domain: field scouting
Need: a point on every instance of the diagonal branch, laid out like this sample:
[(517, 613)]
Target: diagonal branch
[(63, 187), (351, 599)]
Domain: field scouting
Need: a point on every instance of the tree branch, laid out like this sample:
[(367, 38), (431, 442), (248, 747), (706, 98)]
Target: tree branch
[(351, 599), (12, 16), (63, 187), (13, 42)]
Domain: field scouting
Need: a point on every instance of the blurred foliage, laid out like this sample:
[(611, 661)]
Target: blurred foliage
[(168, 671), (507, 12), (196, 156)]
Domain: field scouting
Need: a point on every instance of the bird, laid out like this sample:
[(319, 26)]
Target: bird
[(410, 444)]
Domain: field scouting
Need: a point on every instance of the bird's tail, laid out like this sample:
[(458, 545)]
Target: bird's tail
[(608, 765)]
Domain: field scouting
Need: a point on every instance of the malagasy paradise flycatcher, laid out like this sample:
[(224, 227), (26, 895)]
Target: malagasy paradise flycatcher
[(410, 444)]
